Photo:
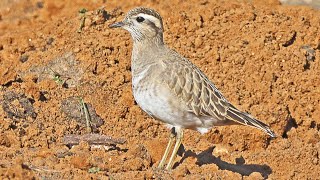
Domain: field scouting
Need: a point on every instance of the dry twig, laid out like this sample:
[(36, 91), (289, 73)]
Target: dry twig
[(92, 139)]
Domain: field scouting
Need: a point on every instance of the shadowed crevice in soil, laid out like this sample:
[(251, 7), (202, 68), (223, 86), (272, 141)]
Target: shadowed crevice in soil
[(9, 83), (240, 167), (291, 123), (291, 40)]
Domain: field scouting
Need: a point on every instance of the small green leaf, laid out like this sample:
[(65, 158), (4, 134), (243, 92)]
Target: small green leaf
[(94, 170)]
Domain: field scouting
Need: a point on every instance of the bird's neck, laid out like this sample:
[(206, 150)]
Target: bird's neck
[(145, 52), (143, 41), (147, 47)]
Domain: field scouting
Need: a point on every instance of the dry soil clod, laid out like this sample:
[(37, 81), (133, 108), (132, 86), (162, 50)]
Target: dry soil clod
[(75, 110)]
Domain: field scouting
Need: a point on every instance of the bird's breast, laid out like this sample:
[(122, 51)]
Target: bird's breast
[(146, 93)]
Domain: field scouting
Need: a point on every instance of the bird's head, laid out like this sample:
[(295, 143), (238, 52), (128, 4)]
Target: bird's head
[(142, 23)]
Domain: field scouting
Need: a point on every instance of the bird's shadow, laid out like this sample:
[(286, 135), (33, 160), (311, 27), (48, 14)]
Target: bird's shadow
[(240, 167)]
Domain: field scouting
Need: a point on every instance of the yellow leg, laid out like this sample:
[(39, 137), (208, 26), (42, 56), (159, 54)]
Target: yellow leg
[(170, 143), (179, 138)]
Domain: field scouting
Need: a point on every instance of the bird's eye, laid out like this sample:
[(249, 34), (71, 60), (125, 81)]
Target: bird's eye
[(140, 19)]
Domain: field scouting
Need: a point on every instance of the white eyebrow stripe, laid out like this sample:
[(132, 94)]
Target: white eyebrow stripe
[(153, 19)]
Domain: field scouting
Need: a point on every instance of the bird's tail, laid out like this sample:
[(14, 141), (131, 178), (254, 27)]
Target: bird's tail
[(244, 118)]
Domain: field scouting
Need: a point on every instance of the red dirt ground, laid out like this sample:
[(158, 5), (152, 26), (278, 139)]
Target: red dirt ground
[(263, 56)]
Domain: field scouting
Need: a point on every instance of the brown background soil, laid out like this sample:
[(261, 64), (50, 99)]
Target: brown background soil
[(263, 56)]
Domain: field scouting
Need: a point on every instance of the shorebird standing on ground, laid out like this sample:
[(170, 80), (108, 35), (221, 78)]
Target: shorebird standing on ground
[(171, 89)]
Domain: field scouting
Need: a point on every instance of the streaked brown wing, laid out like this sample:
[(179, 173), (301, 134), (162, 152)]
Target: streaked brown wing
[(194, 88)]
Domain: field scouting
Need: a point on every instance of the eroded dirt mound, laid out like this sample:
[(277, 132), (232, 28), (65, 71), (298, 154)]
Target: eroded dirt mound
[(263, 56)]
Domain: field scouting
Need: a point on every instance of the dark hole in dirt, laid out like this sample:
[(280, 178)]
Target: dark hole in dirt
[(42, 96), (12, 126), (50, 41), (52, 140), (202, 21), (95, 69), (306, 66), (31, 100), (110, 48), (291, 123), (39, 4), (22, 132), (106, 15), (268, 141), (314, 125), (204, 3), (24, 166), (274, 77), (65, 85), (8, 84)]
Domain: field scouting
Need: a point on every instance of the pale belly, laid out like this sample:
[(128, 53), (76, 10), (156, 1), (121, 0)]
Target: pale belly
[(160, 103), (155, 103)]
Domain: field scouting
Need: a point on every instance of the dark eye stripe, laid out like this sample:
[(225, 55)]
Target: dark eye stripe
[(140, 19)]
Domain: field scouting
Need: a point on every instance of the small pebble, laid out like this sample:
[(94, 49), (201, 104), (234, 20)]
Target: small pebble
[(24, 58), (50, 41), (76, 50)]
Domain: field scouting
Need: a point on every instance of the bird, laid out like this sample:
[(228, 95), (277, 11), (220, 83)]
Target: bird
[(171, 89)]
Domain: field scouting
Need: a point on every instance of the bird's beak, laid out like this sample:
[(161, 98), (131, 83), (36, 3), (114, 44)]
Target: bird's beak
[(116, 25)]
